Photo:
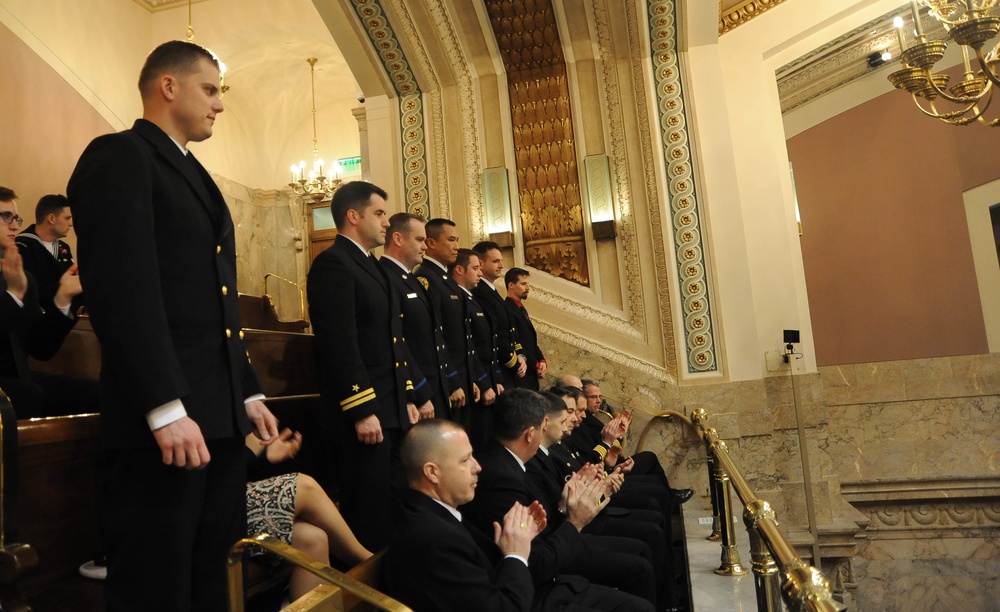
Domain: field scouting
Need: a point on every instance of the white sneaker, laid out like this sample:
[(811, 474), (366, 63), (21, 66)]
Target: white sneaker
[(94, 571)]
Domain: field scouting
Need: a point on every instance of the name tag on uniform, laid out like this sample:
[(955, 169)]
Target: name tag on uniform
[(479, 314), (411, 295), (453, 296)]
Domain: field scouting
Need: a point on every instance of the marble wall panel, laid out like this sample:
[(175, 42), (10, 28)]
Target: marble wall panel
[(910, 421), (267, 227), (928, 575)]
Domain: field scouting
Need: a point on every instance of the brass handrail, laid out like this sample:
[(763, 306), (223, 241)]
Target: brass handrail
[(302, 294), (359, 589), (803, 587)]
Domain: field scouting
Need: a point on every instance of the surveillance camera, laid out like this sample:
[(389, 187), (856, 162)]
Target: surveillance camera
[(361, 97)]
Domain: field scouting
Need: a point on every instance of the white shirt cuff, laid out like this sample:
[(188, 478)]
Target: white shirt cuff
[(518, 557), (254, 398), (16, 300), (65, 310), (166, 414)]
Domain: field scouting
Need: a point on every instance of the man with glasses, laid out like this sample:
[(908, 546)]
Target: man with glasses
[(593, 442), (28, 328)]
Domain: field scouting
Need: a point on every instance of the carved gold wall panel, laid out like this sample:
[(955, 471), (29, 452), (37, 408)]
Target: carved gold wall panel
[(547, 177)]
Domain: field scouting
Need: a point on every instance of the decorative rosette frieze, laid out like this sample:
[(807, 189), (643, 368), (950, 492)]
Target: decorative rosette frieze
[(684, 210), (411, 109)]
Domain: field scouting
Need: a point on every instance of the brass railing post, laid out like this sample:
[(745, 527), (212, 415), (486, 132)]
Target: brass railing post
[(766, 577), (778, 572), (716, 534), (730, 565)]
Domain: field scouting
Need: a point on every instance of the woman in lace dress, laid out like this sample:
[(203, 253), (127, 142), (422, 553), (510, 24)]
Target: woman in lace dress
[(295, 509)]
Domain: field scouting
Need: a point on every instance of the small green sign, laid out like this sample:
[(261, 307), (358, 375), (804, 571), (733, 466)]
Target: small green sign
[(350, 165)]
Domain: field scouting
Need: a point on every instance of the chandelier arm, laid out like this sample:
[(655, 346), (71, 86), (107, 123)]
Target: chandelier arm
[(985, 67), (946, 116), (944, 94), (981, 112)]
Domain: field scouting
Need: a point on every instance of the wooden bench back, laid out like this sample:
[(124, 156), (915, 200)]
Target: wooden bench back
[(49, 471)]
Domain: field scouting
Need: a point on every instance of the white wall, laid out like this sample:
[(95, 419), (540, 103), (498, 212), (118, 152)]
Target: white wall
[(746, 187)]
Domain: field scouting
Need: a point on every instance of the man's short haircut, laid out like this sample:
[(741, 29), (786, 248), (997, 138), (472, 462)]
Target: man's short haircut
[(484, 247), (177, 56), (435, 227), (7, 194), (556, 403), (52, 204), (517, 410), (423, 443), (464, 255), (356, 195), (563, 391), (513, 275), (399, 223), (588, 383)]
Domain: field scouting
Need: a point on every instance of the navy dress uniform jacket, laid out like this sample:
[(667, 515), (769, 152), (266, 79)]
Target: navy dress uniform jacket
[(423, 334), (363, 360), (449, 300), (436, 563), (507, 345), (529, 344), (159, 267)]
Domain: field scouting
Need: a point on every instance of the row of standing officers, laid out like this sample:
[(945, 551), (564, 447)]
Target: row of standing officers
[(418, 333)]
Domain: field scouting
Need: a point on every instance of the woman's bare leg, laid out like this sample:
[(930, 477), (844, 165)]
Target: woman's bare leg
[(313, 506), (311, 540)]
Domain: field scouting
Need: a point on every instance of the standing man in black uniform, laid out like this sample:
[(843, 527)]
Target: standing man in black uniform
[(366, 385), (178, 394), (404, 250), (466, 274), (512, 363), (518, 287), (448, 299)]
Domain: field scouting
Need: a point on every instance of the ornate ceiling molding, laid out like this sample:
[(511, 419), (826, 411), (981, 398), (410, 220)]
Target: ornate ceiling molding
[(844, 59), (155, 6), (743, 12)]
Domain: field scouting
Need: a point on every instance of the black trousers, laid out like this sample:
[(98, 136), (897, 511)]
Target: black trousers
[(570, 596), (622, 563), (168, 530), (371, 480), (647, 526)]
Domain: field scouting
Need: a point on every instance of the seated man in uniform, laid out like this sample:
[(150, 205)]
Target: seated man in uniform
[(27, 327), (46, 256), (437, 562)]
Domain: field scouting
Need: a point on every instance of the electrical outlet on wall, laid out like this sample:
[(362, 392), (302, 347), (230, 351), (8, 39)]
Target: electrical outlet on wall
[(776, 361)]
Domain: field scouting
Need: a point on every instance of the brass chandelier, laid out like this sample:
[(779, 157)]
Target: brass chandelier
[(971, 24), (314, 184)]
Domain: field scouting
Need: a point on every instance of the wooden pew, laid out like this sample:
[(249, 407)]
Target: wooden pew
[(257, 312), (49, 471)]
